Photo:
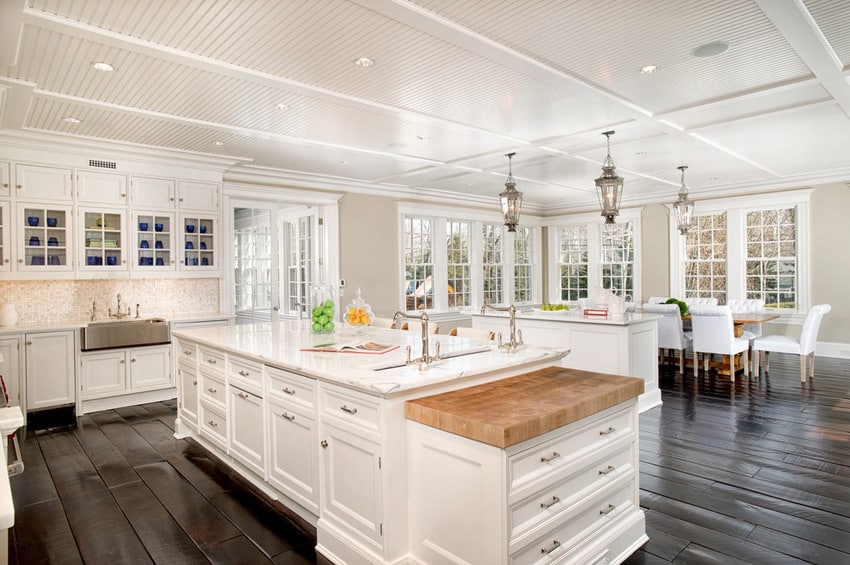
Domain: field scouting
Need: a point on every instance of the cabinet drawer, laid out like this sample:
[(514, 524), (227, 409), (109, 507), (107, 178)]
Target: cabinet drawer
[(557, 454), (186, 350), (552, 502), (351, 407), (212, 387), (213, 423), (600, 511), (245, 371), (290, 387), (211, 359)]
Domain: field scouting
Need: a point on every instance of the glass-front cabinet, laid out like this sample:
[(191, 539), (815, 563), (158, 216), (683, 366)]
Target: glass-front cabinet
[(44, 238), (103, 246), (5, 238), (154, 241), (198, 240)]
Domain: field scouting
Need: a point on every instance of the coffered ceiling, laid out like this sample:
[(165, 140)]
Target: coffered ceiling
[(273, 86)]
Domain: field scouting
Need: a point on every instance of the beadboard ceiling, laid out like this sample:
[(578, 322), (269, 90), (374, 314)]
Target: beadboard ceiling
[(272, 86)]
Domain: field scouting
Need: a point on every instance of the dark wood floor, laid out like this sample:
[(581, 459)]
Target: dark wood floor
[(757, 472)]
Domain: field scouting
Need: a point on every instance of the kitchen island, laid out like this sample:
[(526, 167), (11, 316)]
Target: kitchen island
[(325, 433), (624, 344)]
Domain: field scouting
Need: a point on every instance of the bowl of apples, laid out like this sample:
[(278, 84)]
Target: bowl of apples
[(553, 308)]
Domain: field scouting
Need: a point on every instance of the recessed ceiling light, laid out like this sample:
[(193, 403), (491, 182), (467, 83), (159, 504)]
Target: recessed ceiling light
[(715, 178), (423, 137), (710, 49), (71, 120), (281, 106), (344, 162), (640, 153), (648, 70), (102, 66), (364, 62), (218, 143)]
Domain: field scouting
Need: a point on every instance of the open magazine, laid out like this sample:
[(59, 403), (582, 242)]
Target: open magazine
[(354, 347)]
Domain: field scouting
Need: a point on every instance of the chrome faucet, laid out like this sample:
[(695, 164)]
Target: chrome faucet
[(93, 311), (516, 335), (119, 314), (425, 361)]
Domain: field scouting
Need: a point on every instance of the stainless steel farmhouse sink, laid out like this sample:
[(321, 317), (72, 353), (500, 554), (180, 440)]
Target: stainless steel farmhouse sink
[(124, 333)]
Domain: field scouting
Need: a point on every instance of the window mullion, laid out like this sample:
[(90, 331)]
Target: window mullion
[(440, 286)]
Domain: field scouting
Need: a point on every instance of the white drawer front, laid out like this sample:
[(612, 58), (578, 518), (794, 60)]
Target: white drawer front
[(212, 387), (187, 351), (552, 502), (296, 389), (554, 456), (211, 359), (351, 407), (248, 373), (213, 424), (584, 521)]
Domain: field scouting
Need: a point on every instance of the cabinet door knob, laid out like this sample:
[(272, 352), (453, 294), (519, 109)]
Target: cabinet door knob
[(5, 185), (324, 444), (29, 343), (18, 186), (122, 361), (132, 360)]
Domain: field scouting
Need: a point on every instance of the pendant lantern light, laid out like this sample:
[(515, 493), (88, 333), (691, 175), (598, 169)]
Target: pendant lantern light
[(609, 186), (683, 207), (511, 199)]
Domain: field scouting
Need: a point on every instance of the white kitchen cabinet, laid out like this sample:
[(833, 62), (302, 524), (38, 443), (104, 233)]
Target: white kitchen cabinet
[(45, 239), (198, 237), (124, 371), (352, 490), (10, 368), (195, 195), (99, 187), (568, 496), (212, 423), (37, 182), (247, 432), (5, 180), (150, 193), (5, 237), (50, 371), (293, 436), (153, 242), (187, 392), (103, 246)]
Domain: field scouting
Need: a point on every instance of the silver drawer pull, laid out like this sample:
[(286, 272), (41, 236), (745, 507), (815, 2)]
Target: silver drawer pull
[(555, 545), (211, 361), (345, 408), (554, 455), (187, 352), (555, 500), (288, 390), (609, 431), (244, 373), (606, 471), (213, 423), (608, 510), (243, 394), (215, 390), (289, 417)]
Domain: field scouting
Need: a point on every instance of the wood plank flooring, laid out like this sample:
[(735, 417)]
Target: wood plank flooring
[(755, 472)]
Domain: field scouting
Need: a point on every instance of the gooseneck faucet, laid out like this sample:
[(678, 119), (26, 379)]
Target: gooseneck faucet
[(516, 335), (119, 314), (426, 358)]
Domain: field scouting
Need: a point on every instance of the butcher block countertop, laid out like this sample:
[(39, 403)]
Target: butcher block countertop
[(506, 412)]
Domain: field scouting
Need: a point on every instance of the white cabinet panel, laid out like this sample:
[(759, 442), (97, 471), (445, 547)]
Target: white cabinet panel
[(247, 437), (294, 458), (5, 181), (188, 394), (10, 368), (152, 193), (193, 195), (45, 238), (102, 374), (43, 183), (101, 187), (150, 368), (50, 371), (5, 237)]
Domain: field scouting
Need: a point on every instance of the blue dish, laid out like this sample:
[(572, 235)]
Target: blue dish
[(32, 220), (144, 244), (160, 261), (157, 227), (203, 229), (51, 222), (189, 245), (112, 260), (143, 226), (158, 245), (52, 242), (37, 261), (34, 241), (190, 228)]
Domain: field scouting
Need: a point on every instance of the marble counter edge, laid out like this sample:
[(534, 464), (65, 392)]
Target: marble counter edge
[(614, 320), (459, 412)]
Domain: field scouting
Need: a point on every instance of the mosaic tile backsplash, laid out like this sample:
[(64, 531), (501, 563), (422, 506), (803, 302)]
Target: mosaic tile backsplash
[(47, 302)]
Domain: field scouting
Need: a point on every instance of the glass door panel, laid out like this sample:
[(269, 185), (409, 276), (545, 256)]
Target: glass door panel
[(255, 266)]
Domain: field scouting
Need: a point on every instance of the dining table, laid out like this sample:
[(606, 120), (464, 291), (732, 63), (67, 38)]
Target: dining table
[(739, 320)]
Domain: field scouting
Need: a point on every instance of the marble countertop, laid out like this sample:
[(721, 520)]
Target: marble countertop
[(385, 375), (573, 316), (506, 412), (75, 324)]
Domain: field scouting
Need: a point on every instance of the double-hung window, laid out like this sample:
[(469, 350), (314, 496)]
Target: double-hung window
[(746, 247), (453, 262)]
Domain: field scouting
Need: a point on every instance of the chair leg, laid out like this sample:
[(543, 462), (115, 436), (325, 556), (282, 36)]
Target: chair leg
[(746, 363), (756, 360), (696, 365), (706, 359), (766, 361), (811, 364), (681, 361), (803, 367)]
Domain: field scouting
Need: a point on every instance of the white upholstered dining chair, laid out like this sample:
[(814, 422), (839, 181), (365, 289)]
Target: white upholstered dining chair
[(382, 323), (670, 333), (481, 334), (804, 346), (714, 333)]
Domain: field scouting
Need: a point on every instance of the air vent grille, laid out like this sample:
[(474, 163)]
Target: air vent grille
[(103, 164)]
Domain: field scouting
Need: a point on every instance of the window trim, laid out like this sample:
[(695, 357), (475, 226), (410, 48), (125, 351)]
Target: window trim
[(736, 208)]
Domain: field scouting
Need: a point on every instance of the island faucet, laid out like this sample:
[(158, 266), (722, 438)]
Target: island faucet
[(119, 314), (425, 361), (516, 335)]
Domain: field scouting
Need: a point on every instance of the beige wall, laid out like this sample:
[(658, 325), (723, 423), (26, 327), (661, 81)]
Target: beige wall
[(368, 251), (830, 253), (655, 252)]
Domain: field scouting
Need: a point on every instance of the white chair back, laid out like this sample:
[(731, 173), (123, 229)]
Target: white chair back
[(811, 326), (746, 304), (480, 334), (657, 299), (382, 322), (713, 330), (670, 334), (698, 300)]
